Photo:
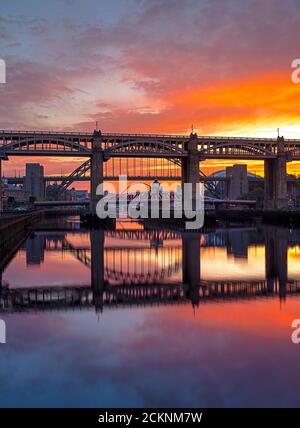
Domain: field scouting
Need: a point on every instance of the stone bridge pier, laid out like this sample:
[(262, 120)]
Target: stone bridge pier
[(276, 252), (191, 265), (97, 266), (97, 159), (191, 167), (276, 179)]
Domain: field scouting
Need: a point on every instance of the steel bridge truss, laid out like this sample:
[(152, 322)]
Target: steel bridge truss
[(137, 169), (18, 143)]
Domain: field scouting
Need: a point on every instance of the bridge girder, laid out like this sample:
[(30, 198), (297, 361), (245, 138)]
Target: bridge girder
[(18, 143), (56, 297), (85, 167), (140, 275)]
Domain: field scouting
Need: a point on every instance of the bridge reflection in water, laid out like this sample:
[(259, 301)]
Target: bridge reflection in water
[(141, 267)]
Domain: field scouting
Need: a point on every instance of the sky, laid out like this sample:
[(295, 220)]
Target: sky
[(157, 66)]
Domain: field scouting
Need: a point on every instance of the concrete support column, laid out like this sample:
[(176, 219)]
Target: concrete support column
[(237, 181), (191, 265), (276, 183), (269, 168), (96, 169), (281, 182), (97, 266), (191, 166), (270, 260), (276, 180), (276, 252)]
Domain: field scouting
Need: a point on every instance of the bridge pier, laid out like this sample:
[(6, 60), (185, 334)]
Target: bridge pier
[(191, 167), (96, 170), (191, 265), (97, 266), (276, 251), (276, 179)]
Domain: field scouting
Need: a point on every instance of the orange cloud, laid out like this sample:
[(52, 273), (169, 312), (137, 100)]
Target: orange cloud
[(254, 106), (250, 106)]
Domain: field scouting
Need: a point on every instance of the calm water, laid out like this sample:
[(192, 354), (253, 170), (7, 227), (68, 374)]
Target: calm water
[(117, 318)]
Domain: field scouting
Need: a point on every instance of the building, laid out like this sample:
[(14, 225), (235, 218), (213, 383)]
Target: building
[(34, 182), (81, 195), (13, 196), (76, 195), (35, 249), (237, 181)]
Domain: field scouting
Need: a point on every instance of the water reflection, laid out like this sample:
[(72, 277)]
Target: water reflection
[(131, 266), (181, 319)]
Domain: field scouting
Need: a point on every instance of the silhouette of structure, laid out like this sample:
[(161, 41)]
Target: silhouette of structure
[(146, 277), (186, 151)]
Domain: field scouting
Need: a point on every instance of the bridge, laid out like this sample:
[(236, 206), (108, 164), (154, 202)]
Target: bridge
[(153, 274), (130, 273), (112, 297), (35, 143), (186, 152)]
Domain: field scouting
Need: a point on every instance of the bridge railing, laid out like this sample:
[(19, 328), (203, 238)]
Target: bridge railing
[(87, 134), (11, 132)]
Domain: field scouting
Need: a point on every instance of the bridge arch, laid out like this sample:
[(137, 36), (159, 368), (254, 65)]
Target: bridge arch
[(145, 269), (149, 147), (85, 167), (293, 152), (228, 147), (58, 144)]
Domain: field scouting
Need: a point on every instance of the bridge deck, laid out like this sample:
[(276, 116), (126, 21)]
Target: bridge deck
[(43, 143), (58, 297)]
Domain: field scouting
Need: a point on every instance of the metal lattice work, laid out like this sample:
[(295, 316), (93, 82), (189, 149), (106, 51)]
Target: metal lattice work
[(210, 186), (145, 146), (19, 143), (45, 144), (76, 297), (137, 169), (240, 148), (142, 168), (78, 172), (134, 265)]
